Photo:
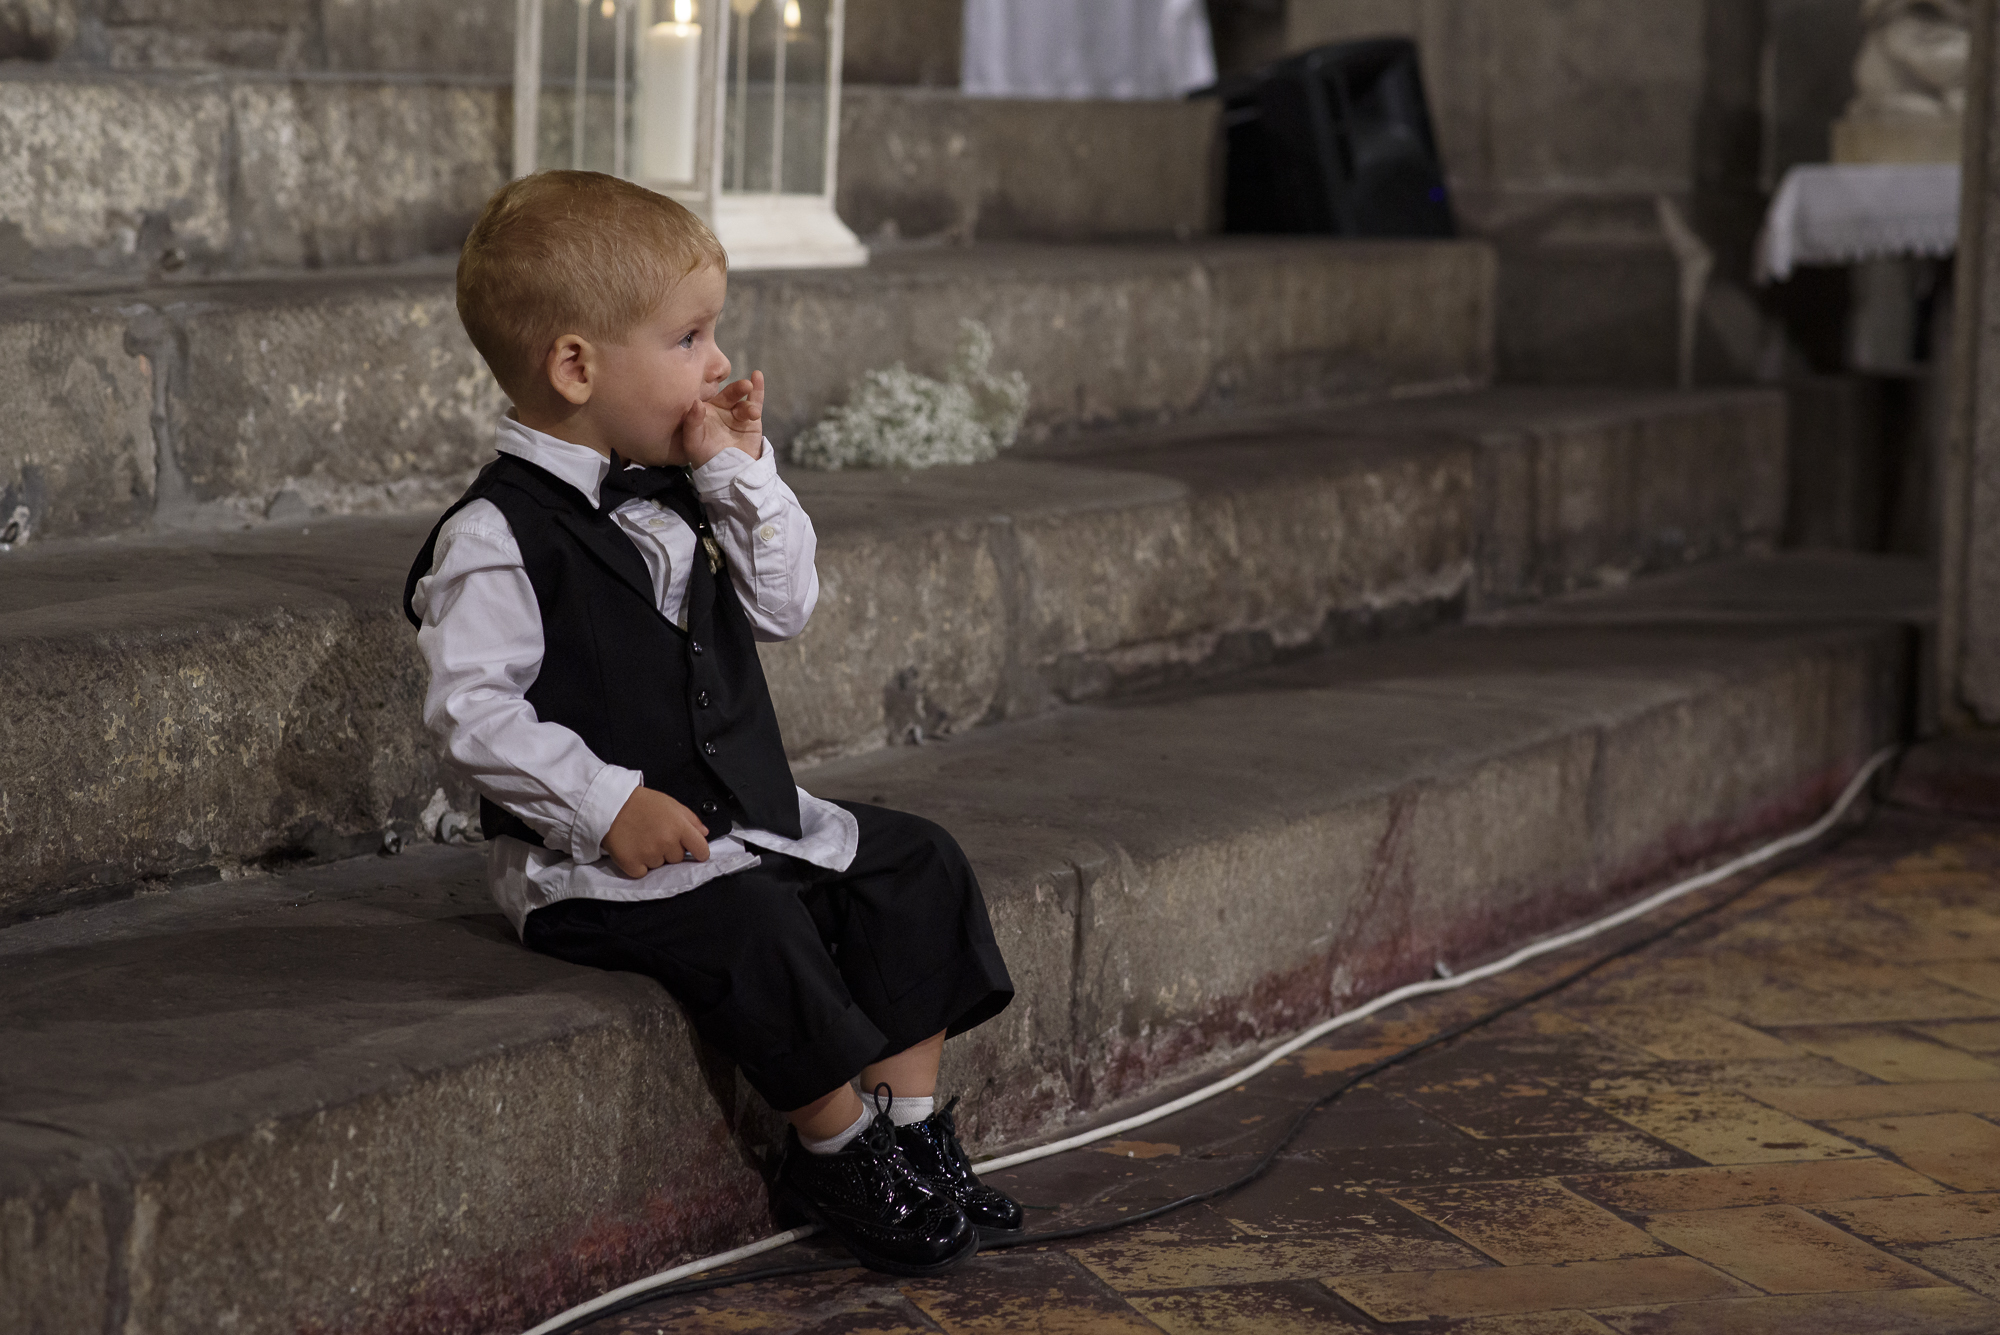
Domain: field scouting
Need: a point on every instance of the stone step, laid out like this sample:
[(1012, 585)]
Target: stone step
[(888, 41), (930, 165), (131, 176), (288, 36), (345, 1100), (204, 174), (230, 402), (255, 695)]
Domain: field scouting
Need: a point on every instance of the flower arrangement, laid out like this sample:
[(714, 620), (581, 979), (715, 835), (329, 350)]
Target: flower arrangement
[(899, 419)]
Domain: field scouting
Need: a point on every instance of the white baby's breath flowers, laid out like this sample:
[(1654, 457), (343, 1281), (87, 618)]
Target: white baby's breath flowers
[(899, 419)]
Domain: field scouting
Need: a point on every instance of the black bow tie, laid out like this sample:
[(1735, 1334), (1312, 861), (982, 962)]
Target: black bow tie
[(624, 484)]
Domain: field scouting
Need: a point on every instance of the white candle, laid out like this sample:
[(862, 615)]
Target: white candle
[(669, 97)]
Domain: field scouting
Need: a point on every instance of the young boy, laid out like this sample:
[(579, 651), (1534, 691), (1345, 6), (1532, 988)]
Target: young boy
[(589, 611)]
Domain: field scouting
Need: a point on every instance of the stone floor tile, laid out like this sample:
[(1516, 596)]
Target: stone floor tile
[(1242, 1123), (1315, 1062), (1835, 1103), (1249, 1309), (1958, 1150), (1685, 1034), (1368, 1118), (1920, 1218), (1019, 1291), (1727, 1187), (1937, 1311), (1087, 1187), (1150, 1261), (1528, 1223), (1890, 1055), (1720, 1126), (1305, 1198), (1775, 988), (1979, 977), (845, 1302), (1973, 1262), (1497, 1160), (1743, 1073), (1489, 1099), (1782, 1249), (1935, 931), (1531, 1323), (1971, 1035), (1441, 1294), (1136, 1149), (1830, 988)]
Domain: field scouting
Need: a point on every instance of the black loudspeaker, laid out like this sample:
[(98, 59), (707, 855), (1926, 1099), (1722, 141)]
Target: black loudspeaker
[(1335, 140)]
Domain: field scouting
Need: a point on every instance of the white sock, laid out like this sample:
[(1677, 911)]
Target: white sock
[(906, 1112), (834, 1144)]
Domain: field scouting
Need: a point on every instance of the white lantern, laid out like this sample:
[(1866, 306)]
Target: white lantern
[(730, 106)]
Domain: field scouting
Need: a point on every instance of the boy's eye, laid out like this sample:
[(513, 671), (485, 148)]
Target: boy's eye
[(687, 339)]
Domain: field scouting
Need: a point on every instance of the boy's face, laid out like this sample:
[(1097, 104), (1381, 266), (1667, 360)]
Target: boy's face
[(646, 383)]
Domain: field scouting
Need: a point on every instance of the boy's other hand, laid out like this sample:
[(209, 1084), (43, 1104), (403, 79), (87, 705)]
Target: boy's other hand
[(653, 830), (735, 416)]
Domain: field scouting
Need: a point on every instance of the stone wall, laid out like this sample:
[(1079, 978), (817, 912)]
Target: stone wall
[(1560, 125), (1564, 122)]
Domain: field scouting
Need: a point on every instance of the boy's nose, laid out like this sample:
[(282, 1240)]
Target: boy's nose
[(718, 370)]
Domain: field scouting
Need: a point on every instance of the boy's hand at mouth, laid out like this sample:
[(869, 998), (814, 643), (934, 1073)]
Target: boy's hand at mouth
[(653, 830), (734, 417)]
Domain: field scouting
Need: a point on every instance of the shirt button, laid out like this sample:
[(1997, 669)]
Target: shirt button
[(709, 747), (767, 533), (701, 700)]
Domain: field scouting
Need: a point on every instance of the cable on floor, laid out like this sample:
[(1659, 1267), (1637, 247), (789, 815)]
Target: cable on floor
[(678, 1281)]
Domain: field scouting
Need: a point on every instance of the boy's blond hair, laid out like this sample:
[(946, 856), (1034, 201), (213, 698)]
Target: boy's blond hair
[(569, 252)]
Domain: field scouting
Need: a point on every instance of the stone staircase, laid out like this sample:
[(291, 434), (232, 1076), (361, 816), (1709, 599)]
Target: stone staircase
[(344, 1099), (258, 691), (1285, 657)]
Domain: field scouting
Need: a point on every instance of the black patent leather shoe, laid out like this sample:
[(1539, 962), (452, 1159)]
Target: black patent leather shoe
[(931, 1147), (868, 1197)]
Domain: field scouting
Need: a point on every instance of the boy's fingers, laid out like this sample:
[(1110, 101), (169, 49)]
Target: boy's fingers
[(697, 847)]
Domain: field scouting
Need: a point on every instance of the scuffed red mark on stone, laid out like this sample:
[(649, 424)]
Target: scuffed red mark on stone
[(1293, 999)]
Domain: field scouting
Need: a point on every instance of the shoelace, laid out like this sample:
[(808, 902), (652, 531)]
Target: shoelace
[(960, 1165)]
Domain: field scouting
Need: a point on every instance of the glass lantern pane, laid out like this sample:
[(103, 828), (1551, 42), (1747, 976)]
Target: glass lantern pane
[(621, 89), (577, 113), (776, 104)]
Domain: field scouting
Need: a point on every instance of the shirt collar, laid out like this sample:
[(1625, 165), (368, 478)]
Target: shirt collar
[(579, 465)]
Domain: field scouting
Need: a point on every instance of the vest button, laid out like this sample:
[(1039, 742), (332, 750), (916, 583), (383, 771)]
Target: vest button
[(696, 647), (701, 700), (709, 808), (710, 747)]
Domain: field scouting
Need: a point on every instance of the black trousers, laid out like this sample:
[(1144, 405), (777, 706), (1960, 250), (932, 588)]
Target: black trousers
[(801, 975)]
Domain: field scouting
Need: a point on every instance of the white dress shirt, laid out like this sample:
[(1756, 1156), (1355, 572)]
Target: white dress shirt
[(482, 637)]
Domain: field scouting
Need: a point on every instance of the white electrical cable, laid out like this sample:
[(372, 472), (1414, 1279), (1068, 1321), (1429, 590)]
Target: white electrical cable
[(1547, 945)]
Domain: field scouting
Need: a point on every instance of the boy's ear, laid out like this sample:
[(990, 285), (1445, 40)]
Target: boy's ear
[(572, 368)]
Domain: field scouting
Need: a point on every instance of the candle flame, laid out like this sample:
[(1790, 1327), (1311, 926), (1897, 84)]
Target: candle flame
[(792, 18), (609, 9), (684, 11)]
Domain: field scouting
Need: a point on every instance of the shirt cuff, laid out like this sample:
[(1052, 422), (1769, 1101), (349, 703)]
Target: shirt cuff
[(602, 801), (732, 467)]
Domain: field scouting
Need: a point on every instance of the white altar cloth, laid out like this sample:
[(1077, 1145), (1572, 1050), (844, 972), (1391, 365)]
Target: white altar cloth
[(1843, 213), (1086, 48)]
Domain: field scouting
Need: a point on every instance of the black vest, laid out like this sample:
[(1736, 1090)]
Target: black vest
[(688, 709)]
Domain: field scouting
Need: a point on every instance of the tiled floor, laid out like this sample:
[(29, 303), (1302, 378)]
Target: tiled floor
[(1784, 1119)]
